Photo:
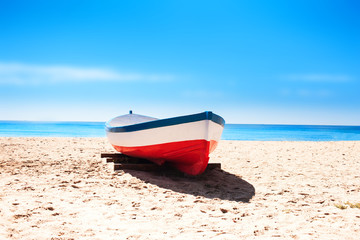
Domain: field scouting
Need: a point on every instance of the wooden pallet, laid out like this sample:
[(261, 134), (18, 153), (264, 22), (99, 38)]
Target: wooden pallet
[(124, 162)]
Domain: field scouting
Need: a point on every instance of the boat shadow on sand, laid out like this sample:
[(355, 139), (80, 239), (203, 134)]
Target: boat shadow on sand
[(211, 184)]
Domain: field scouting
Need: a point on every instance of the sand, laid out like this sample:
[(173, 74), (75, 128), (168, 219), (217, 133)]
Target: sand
[(60, 188)]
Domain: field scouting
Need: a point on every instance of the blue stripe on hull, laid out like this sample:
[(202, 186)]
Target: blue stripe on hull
[(169, 122)]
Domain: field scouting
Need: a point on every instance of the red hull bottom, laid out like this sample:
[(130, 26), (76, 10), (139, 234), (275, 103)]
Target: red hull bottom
[(190, 157)]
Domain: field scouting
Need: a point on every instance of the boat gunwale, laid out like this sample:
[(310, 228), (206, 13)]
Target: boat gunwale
[(208, 115)]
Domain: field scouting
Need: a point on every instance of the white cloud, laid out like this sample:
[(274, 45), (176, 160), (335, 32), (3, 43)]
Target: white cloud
[(18, 73), (319, 77)]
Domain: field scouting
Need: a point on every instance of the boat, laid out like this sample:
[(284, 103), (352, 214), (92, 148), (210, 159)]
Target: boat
[(183, 142)]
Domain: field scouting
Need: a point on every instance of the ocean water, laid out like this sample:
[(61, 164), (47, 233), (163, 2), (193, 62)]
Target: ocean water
[(260, 132), (51, 129), (248, 132)]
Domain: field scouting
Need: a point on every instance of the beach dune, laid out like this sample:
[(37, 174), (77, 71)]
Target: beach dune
[(60, 188)]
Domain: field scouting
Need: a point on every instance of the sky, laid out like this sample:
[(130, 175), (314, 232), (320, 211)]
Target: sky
[(250, 61)]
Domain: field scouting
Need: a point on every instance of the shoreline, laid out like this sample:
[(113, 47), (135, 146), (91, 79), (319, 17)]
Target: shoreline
[(222, 140), (59, 187)]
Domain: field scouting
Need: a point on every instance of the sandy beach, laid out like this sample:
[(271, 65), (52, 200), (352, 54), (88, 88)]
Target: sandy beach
[(60, 188)]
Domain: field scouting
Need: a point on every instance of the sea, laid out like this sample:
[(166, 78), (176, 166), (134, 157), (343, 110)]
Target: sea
[(245, 132)]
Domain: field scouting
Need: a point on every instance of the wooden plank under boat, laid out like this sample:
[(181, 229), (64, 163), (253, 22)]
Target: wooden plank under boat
[(185, 142)]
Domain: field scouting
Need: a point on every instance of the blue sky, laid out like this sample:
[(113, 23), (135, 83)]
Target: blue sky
[(283, 62)]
